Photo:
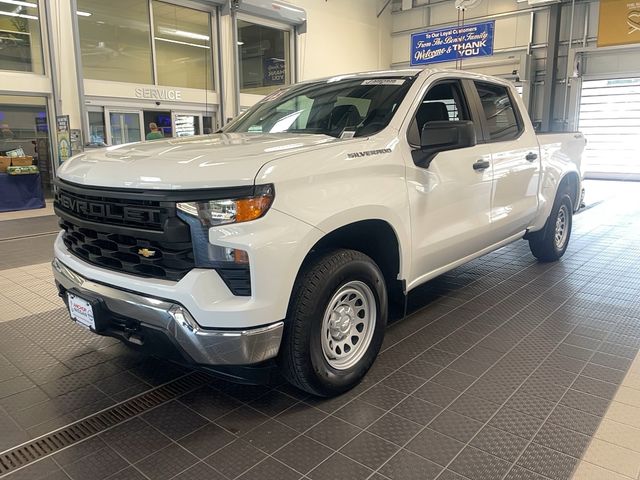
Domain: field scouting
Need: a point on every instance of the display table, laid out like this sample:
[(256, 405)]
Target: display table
[(20, 192)]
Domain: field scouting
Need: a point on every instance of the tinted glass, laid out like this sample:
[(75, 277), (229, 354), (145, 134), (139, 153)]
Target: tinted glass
[(443, 102), (115, 40), (264, 58), (499, 111), (20, 45), (340, 108), (97, 136), (125, 128), (24, 131), (183, 46)]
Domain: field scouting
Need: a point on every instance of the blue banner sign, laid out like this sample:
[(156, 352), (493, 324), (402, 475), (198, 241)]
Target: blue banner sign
[(452, 43)]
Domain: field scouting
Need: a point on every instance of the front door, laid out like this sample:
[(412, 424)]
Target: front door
[(124, 127), (450, 199), (186, 124), (516, 161)]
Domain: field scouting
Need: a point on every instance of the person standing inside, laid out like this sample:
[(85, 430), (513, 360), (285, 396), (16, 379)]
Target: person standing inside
[(155, 133)]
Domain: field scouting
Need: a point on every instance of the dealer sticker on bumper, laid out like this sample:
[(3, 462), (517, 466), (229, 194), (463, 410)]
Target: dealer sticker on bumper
[(81, 311)]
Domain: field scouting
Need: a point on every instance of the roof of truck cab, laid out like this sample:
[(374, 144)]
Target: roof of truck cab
[(405, 72)]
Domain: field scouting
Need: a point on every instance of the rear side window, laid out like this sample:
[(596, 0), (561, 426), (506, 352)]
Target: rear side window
[(502, 121)]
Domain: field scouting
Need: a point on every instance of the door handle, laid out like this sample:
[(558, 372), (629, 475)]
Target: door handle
[(531, 156), (481, 165)]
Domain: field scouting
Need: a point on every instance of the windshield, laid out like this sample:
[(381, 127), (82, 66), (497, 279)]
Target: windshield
[(343, 108)]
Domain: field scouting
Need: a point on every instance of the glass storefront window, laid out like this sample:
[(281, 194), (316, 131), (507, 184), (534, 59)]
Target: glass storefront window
[(264, 58), (187, 125), (125, 127), (24, 142), (115, 40), (97, 134), (182, 39), (20, 42)]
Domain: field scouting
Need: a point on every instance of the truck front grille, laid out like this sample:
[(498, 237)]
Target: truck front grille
[(136, 232), (140, 213), (125, 253)]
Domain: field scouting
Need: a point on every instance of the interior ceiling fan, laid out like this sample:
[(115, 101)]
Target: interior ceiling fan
[(467, 4)]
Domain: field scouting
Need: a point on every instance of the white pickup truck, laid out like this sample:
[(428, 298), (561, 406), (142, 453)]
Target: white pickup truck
[(282, 243)]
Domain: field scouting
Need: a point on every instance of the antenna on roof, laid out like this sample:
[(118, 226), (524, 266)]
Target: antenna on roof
[(462, 6)]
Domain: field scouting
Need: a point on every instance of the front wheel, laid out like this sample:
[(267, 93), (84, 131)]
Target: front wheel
[(335, 324), (550, 243)]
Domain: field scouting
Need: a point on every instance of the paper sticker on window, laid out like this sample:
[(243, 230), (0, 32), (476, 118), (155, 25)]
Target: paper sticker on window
[(384, 81)]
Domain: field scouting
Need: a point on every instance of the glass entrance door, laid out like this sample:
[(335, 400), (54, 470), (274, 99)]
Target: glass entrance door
[(187, 124), (125, 127)]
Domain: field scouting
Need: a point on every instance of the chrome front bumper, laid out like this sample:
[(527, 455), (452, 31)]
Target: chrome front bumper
[(202, 346)]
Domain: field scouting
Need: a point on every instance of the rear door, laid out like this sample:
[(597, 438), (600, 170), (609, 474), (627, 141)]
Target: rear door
[(515, 157), (450, 199)]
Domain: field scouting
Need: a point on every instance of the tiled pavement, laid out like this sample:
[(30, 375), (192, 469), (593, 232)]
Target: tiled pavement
[(506, 370)]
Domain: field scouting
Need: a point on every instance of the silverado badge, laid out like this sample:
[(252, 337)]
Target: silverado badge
[(146, 253)]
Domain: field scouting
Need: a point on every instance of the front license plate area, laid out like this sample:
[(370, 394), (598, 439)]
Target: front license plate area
[(81, 311)]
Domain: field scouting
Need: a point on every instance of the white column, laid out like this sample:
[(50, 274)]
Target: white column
[(228, 65), (63, 56)]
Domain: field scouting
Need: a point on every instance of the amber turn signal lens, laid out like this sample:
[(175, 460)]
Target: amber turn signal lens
[(251, 208)]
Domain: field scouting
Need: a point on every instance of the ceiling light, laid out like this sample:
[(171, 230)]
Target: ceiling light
[(181, 43), (19, 15), (240, 43), (22, 4), (83, 14), (183, 33)]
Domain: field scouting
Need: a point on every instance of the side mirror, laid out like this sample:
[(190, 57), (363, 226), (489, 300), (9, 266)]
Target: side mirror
[(441, 136)]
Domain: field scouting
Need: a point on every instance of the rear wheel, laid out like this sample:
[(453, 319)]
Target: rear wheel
[(335, 324), (550, 243)]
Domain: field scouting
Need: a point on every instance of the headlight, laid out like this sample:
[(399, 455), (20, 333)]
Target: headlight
[(213, 213), (231, 263)]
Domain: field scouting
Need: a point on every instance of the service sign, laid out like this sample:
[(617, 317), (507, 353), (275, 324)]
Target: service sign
[(452, 43)]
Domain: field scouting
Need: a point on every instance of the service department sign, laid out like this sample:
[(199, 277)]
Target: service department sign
[(452, 43)]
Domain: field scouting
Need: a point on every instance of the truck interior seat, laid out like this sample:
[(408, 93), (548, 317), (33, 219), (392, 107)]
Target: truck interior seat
[(344, 116), (431, 112)]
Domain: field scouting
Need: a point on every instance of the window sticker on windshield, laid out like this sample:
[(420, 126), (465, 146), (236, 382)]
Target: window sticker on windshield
[(384, 81)]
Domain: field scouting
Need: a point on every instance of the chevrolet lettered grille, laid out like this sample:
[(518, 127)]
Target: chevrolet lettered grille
[(137, 236), (125, 253)]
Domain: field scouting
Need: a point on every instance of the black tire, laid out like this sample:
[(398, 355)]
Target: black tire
[(543, 243), (302, 359)]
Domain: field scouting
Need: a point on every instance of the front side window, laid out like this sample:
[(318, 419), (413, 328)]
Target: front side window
[(344, 108), (264, 56), (20, 43), (182, 39), (443, 102), (115, 40), (500, 115)]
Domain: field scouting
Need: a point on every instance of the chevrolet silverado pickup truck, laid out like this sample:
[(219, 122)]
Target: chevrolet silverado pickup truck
[(281, 244)]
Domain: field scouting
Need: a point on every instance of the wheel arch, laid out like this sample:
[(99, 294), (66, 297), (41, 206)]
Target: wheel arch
[(378, 240), (571, 182)]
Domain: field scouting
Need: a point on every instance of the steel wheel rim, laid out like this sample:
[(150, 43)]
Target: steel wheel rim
[(562, 229), (348, 325)]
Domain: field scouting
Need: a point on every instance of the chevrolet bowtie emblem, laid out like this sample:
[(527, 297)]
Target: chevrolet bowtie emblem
[(146, 253)]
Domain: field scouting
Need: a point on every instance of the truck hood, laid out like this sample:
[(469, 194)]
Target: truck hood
[(220, 160)]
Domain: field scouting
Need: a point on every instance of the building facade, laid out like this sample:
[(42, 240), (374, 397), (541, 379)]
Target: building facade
[(110, 71)]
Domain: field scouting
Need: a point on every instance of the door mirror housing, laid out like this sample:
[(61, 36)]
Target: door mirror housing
[(441, 136)]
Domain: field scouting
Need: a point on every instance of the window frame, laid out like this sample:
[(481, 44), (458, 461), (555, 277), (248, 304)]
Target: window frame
[(214, 51), (247, 100), (468, 101), (472, 85)]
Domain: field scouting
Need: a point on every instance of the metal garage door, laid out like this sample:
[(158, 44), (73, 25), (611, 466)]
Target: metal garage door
[(610, 120)]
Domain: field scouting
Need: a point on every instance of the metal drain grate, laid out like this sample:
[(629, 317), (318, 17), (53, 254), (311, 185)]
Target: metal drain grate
[(50, 443)]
